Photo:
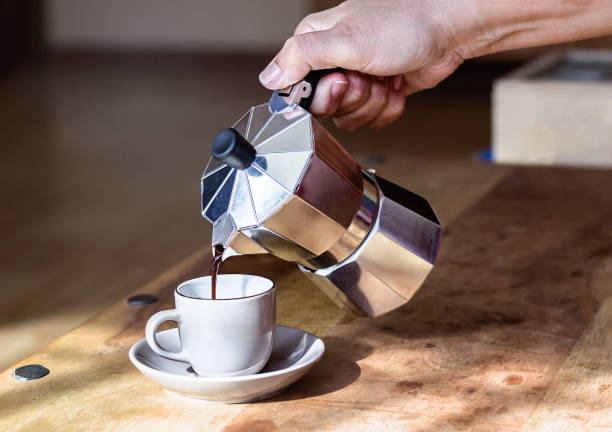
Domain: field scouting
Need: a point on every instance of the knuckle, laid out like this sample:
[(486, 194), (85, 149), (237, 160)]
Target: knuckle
[(299, 44), (356, 94), (291, 44), (380, 122), (358, 43), (396, 110), (360, 40), (391, 112), (394, 115), (379, 96), (388, 116), (306, 25)]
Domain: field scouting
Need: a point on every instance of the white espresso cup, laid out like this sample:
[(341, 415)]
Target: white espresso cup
[(231, 335)]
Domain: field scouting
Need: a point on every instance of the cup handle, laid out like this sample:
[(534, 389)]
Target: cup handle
[(151, 328)]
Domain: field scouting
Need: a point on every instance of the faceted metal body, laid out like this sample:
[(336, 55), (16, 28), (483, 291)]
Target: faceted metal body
[(368, 243), (296, 200), (392, 260)]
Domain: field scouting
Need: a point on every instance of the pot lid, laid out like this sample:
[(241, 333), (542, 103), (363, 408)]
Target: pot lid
[(284, 145)]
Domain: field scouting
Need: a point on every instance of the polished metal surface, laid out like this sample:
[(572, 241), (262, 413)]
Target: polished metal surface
[(289, 222), (282, 165), (356, 232), (330, 151), (267, 193), (392, 261), (277, 245), (224, 230), (328, 191), (285, 98), (242, 207), (300, 175)]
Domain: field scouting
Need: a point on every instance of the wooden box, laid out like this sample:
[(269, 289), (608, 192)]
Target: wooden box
[(555, 110)]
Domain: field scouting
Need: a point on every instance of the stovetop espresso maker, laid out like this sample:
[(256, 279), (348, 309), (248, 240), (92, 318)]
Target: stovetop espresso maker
[(279, 183)]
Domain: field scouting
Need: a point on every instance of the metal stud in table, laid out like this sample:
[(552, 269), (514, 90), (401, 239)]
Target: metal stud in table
[(30, 372), (141, 299)]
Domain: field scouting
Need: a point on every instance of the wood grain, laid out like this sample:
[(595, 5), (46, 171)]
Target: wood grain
[(475, 349), (579, 398), (599, 281)]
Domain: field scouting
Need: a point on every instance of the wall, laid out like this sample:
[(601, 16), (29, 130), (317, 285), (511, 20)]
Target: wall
[(259, 25)]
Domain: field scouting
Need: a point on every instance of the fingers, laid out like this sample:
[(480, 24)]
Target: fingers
[(370, 101), (357, 93), (300, 54), (367, 112), (396, 100), (355, 100), (329, 94), (318, 21), (340, 93), (306, 51), (315, 44)]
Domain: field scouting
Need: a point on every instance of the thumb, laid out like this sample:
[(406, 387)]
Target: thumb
[(309, 51)]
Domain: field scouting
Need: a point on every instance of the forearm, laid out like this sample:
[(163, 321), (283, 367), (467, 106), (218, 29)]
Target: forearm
[(501, 25), (392, 48)]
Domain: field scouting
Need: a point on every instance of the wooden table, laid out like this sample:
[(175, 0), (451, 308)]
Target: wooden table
[(511, 331)]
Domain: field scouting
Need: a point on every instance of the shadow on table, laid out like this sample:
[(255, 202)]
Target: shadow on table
[(337, 369)]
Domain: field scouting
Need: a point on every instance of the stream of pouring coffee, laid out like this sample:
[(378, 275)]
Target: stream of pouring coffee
[(217, 253)]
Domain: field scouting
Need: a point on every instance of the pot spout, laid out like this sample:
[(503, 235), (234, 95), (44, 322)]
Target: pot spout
[(233, 241)]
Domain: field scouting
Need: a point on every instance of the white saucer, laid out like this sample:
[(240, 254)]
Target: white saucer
[(293, 354)]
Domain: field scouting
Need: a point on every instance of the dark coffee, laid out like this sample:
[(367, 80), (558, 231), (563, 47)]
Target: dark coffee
[(217, 253)]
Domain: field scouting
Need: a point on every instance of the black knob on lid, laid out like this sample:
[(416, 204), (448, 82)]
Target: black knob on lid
[(233, 149)]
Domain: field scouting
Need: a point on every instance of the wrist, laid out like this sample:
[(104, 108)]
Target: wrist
[(481, 27)]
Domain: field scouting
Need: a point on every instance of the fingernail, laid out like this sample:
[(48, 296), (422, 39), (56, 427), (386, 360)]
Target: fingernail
[(338, 88), (271, 74), (397, 82)]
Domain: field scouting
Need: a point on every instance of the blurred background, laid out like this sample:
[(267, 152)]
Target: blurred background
[(107, 110)]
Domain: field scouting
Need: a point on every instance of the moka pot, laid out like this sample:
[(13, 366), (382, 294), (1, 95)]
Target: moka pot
[(279, 183)]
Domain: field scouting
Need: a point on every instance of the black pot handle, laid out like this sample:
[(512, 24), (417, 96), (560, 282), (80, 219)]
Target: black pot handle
[(313, 78)]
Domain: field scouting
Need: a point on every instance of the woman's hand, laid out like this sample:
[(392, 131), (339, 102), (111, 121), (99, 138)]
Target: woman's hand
[(389, 49)]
